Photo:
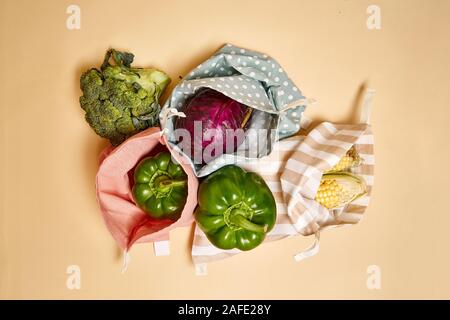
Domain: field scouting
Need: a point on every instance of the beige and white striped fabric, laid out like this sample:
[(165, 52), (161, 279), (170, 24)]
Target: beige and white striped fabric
[(293, 172)]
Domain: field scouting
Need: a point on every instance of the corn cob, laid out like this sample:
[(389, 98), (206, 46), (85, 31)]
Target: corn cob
[(339, 189), (350, 160)]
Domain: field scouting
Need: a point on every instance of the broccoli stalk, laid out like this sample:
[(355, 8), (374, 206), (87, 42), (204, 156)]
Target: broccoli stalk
[(120, 100)]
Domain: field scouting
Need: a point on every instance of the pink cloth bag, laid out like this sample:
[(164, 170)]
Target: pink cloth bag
[(127, 223)]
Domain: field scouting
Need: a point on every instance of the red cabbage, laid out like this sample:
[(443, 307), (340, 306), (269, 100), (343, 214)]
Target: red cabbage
[(217, 113)]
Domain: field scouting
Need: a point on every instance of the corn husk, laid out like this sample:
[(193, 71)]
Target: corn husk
[(350, 160)]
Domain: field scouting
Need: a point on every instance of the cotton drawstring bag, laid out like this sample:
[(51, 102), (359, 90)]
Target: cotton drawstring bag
[(293, 172), (251, 78), (127, 223)]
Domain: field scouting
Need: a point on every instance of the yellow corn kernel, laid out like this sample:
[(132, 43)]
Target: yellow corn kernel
[(339, 189)]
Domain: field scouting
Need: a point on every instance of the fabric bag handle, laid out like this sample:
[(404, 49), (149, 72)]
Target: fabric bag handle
[(160, 248)]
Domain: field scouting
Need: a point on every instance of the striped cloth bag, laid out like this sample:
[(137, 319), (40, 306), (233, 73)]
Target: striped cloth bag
[(293, 172)]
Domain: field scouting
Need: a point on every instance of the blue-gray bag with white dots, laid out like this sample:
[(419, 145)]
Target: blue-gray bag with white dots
[(253, 79)]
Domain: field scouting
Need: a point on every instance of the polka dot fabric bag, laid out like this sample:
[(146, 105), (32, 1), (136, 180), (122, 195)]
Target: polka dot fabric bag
[(252, 79)]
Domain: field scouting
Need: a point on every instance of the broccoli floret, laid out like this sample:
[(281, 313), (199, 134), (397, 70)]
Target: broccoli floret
[(119, 100)]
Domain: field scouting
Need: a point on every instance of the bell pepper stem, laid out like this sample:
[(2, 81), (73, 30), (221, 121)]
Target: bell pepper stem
[(240, 221), (167, 184)]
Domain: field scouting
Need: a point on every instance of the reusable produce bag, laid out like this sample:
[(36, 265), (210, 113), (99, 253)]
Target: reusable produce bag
[(127, 223), (293, 172), (253, 79)]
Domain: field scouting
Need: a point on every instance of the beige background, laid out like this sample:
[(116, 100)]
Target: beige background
[(49, 216)]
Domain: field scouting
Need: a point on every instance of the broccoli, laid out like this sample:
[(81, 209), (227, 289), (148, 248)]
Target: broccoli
[(119, 100)]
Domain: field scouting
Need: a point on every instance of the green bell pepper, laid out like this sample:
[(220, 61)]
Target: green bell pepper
[(160, 187), (235, 208)]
